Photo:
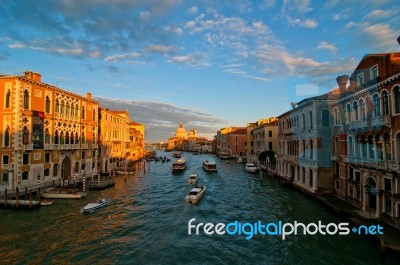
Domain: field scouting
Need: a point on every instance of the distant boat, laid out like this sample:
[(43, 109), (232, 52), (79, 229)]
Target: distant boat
[(224, 155), (209, 165), (177, 154), (179, 165), (250, 167), (195, 195), (92, 206), (239, 160), (59, 193), (46, 202), (193, 179)]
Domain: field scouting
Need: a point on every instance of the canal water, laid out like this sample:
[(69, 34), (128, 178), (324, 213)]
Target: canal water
[(146, 222)]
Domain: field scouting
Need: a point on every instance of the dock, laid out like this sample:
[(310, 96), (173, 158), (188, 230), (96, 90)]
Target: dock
[(19, 203)]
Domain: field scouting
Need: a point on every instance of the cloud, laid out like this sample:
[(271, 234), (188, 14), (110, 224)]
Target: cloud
[(161, 119), (195, 59), (305, 23), (323, 45), (120, 57)]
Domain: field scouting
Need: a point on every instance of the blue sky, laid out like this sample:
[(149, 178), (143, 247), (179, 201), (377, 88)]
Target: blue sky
[(209, 64)]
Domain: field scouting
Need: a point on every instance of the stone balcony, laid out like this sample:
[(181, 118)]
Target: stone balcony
[(388, 165)]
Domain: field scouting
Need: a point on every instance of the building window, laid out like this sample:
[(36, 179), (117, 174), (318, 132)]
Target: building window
[(25, 159), (311, 178), (269, 133), (377, 108), (94, 115), (83, 113), (385, 103), (360, 79), (388, 184), (47, 172), (7, 137), (396, 97), (47, 104), (47, 158), (25, 175), (83, 155), (311, 149), (8, 99), (4, 178), (304, 121), (311, 119), (26, 99), (325, 118), (270, 145), (25, 135), (374, 72), (337, 185), (355, 111), (6, 160), (362, 109), (348, 113), (47, 137)]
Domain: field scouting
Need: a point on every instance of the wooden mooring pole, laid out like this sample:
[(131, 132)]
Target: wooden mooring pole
[(382, 247), (5, 198)]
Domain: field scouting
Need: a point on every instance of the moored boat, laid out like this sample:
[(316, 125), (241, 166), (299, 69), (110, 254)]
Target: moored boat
[(193, 179), (179, 165), (46, 202), (250, 167), (195, 195), (177, 154), (92, 206), (209, 165), (59, 193)]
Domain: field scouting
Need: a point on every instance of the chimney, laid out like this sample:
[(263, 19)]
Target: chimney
[(293, 104), (33, 76), (89, 96), (342, 82)]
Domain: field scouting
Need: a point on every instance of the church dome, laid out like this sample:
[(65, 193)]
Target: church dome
[(180, 132)]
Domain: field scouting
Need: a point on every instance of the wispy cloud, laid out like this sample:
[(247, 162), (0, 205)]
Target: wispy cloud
[(323, 45)]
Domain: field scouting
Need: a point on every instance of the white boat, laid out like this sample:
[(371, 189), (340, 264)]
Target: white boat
[(224, 155), (92, 206), (209, 165), (250, 167), (177, 154), (179, 165), (193, 179), (195, 195), (58, 193), (239, 160), (46, 202)]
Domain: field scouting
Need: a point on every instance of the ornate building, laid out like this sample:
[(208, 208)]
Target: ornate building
[(366, 136), (48, 134)]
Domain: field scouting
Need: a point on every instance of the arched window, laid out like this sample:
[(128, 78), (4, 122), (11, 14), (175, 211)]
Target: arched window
[(336, 151), (348, 113), (362, 109), (385, 103), (304, 148), (47, 104), (371, 146), (67, 138), (7, 137), (377, 108), (83, 113), (94, 115), (83, 138), (363, 144), (355, 111), (47, 137), (62, 107), (57, 106), (26, 99), (388, 146), (311, 149), (304, 121), (325, 118), (311, 178), (350, 146), (396, 98), (25, 135), (62, 138), (56, 138), (311, 119), (8, 99)]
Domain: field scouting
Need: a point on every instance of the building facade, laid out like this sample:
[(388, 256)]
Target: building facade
[(48, 134), (366, 137), (304, 150), (265, 137)]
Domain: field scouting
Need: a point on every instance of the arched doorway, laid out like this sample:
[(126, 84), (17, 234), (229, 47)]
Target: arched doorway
[(292, 172), (66, 168), (372, 192)]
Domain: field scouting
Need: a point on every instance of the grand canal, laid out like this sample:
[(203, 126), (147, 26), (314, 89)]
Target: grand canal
[(146, 222)]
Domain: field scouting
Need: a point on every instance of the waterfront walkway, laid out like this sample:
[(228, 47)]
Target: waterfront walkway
[(391, 237)]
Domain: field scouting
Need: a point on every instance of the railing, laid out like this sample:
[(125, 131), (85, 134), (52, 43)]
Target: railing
[(391, 165), (27, 146), (373, 122)]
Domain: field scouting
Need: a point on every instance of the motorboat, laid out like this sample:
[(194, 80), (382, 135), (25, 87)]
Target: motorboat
[(193, 179), (46, 202), (92, 206), (179, 165), (60, 193), (177, 154), (224, 155), (250, 167), (195, 195), (209, 165), (239, 160)]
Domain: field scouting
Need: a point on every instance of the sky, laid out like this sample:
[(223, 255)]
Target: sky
[(208, 64)]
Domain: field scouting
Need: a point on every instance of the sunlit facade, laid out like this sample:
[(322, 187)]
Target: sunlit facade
[(47, 133)]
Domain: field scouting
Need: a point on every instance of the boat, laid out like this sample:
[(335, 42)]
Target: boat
[(128, 172), (209, 165), (195, 195), (46, 202), (59, 193), (224, 155), (239, 160), (179, 165), (177, 154), (250, 167), (193, 179), (92, 206)]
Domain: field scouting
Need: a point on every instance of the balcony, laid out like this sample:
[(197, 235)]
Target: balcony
[(27, 147), (387, 165), (378, 121)]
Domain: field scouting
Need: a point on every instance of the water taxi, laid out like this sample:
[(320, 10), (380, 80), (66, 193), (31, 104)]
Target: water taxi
[(193, 179), (92, 206), (177, 154), (195, 195), (250, 167), (210, 166), (179, 165)]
